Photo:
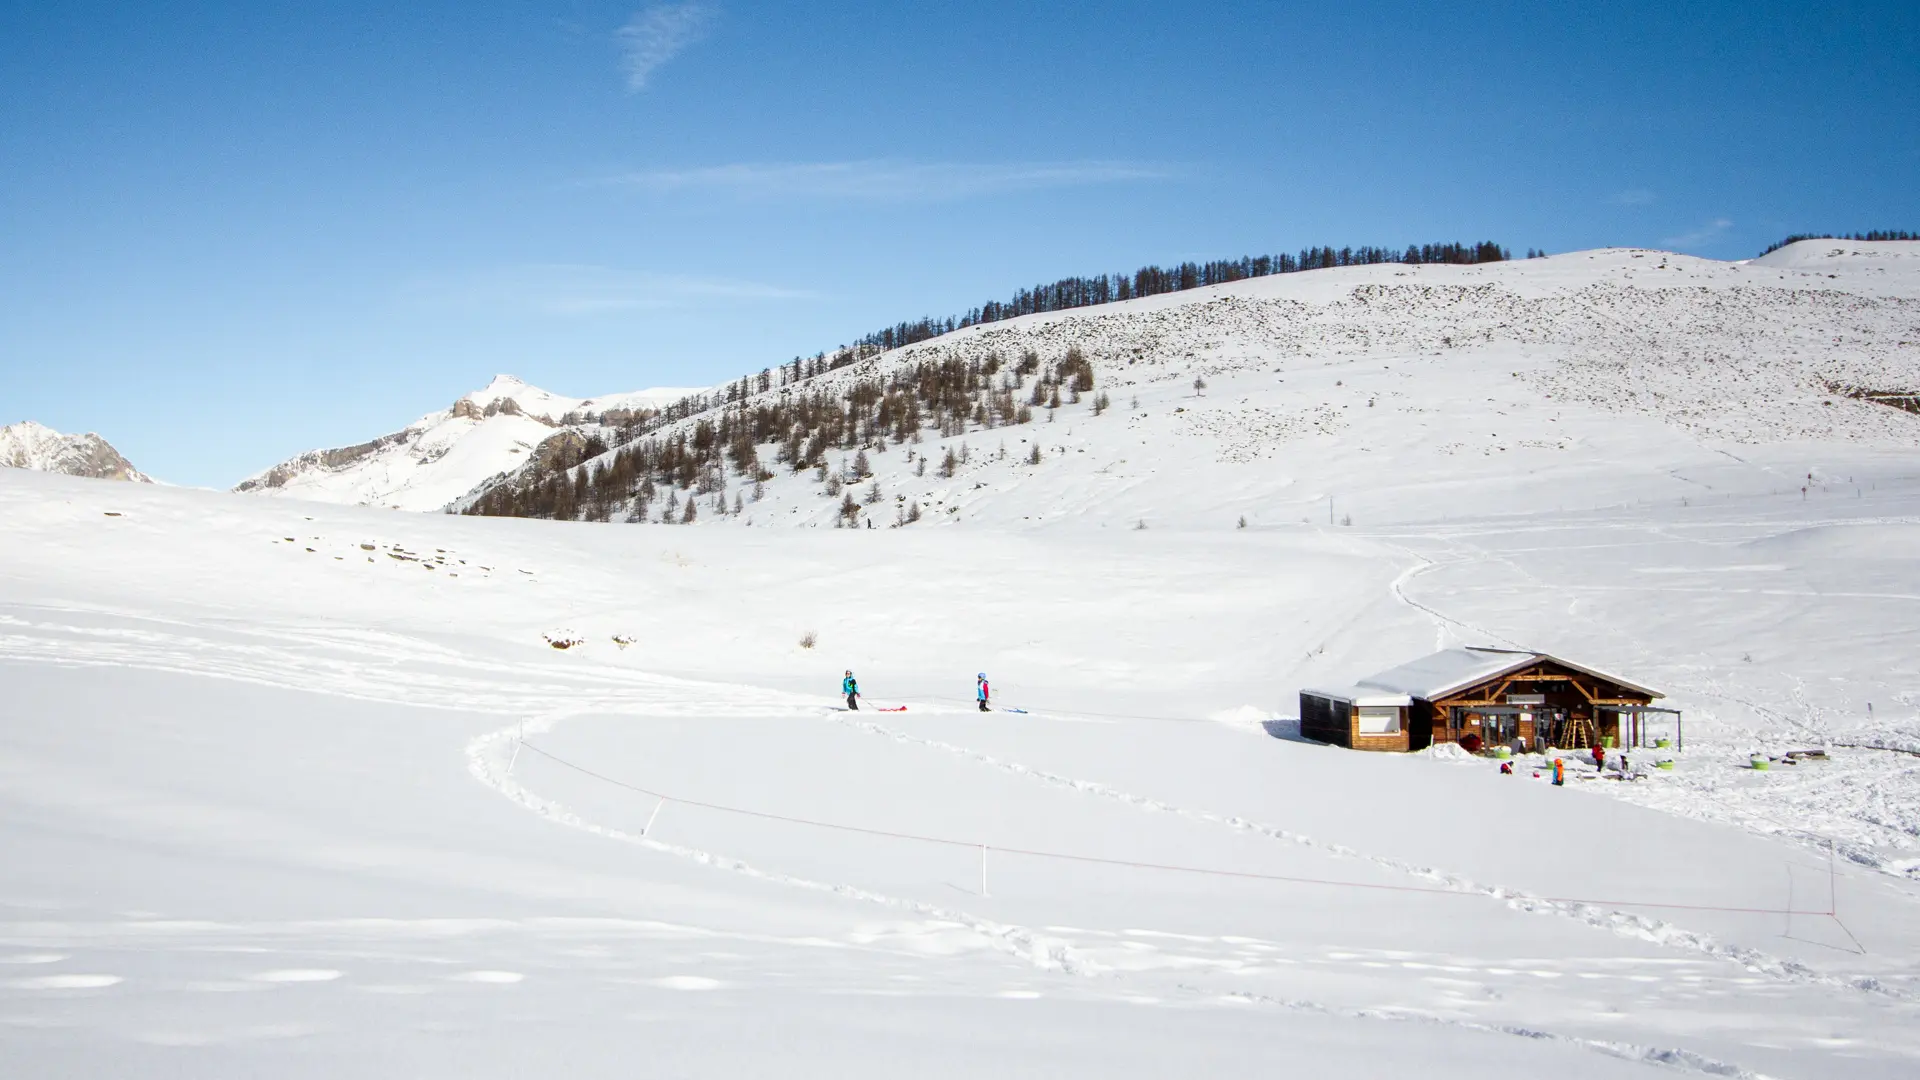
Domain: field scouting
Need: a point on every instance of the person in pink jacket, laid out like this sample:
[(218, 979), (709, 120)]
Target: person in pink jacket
[(981, 692)]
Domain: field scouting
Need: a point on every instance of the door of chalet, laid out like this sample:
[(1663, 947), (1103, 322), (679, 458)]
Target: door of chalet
[(1502, 724)]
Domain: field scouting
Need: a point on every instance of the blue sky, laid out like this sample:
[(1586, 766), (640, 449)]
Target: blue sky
[(229, 233)]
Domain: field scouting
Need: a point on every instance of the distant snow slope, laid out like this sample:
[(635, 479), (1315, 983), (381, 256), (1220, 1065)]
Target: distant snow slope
[(1390, 393), (442, 455), (1852, 257), (28, 445)]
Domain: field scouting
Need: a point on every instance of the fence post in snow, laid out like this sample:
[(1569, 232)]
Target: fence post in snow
[(1833, 879), (516, 755), (1789, 932)]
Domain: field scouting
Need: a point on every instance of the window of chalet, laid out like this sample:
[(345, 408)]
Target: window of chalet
[(1379, 720)]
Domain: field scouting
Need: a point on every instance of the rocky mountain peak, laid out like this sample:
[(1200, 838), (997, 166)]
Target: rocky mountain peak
[(29, 445)]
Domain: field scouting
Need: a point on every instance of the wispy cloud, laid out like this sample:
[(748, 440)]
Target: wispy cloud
[(1694, 238), (886, 181), (658, 34), (568, 290), (1632, 197)]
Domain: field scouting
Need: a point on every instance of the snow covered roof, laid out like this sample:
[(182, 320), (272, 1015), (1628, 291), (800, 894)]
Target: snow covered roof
[(1449, 670), (1359, 696)]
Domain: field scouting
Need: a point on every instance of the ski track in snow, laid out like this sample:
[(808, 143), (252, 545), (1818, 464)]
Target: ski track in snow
[(1640, 927), (484, 754), (485, 764), (1684, 1060)]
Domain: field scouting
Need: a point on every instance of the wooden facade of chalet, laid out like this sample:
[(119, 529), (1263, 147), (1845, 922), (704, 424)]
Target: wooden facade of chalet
[(1505, 697)]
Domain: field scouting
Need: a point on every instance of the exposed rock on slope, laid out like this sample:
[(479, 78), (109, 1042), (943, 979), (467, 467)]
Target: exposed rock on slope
[(442, 455), (28, 445)]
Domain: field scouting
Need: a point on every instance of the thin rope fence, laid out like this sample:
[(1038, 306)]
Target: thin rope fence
[(967, 704), (1140, 865)]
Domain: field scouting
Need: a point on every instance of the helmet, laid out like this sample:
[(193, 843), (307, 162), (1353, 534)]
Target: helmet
[(849, 671), (982, 675)]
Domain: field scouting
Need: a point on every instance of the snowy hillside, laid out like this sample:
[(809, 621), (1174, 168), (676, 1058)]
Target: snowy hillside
[(442, 455), (1852, 257), (299, 790), (1378, 394), (28, 445)]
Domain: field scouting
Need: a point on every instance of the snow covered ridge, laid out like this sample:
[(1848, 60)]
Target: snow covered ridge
[(1265, 399), (1742, 352), (442, 455), (28, 445)]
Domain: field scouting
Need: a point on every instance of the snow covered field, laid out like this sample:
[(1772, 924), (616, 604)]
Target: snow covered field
[(267, 810)]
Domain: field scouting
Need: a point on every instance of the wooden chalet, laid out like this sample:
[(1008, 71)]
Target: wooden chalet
[(1527, 700)]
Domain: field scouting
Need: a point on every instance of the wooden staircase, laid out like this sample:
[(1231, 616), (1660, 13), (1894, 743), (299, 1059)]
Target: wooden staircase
[(1575, 733)]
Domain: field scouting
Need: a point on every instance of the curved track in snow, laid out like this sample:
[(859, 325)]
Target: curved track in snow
[(1640, 927), (488, 756)]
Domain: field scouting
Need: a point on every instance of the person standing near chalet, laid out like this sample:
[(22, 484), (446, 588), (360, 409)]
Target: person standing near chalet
[(851, 687), (982, 692)]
